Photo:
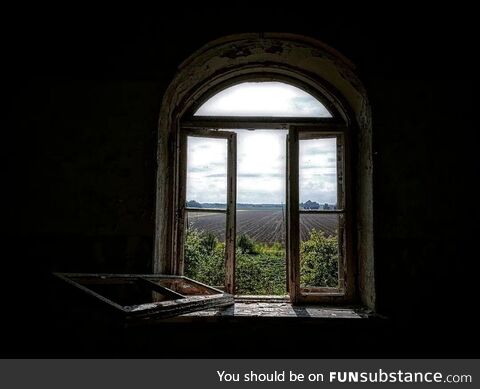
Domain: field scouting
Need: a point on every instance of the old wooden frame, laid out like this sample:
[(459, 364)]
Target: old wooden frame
[(346, 271), (261, 123), (230, 211), (183, 295), (323, 72), (260, 74), (311, 130), (299, 128)]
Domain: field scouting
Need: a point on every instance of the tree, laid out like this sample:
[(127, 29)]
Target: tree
[(245, 244), (204, 259), (319, 260), (260, 268), (310, 205), (193, 204)]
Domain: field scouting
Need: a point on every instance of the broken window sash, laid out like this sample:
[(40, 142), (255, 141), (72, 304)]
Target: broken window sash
[(152, 296)]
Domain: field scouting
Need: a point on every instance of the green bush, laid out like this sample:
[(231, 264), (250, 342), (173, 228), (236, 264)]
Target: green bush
[(319, 260), (261, 274), (245, 244), (261, 268), (204, 258)]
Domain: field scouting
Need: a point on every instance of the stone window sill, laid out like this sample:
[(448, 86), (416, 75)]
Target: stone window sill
[(245, 310)]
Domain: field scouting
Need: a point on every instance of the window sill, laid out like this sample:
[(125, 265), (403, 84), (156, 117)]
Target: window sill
[(245, 310)]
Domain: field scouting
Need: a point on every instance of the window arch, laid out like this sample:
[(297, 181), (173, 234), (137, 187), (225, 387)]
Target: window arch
[(263, 98), (335, 113)]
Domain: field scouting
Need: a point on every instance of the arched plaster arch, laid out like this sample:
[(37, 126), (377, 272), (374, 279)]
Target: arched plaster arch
[(312, 63)]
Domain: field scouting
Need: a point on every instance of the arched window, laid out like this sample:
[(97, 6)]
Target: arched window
[(267, 99), (257, 194)]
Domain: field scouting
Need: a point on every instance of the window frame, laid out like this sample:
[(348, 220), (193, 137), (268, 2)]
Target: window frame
[(318, 91), (314, 127), (194, 296), (230, 211), (347, 263), (275, 56)]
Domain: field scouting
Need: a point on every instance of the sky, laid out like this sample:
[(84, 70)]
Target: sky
[(263, 99), (260, 168), (261, 153)]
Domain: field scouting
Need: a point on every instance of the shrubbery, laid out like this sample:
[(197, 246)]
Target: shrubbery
[(204, 258), (319, 260), (261, 274), (246, 245), (260, 268)]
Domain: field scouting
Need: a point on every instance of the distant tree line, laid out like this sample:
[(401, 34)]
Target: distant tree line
[(314, 205), (306, 205), (193, 204)]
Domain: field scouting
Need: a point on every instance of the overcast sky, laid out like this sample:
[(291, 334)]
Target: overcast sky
[(263, 99), (261, 153), (260, 168)]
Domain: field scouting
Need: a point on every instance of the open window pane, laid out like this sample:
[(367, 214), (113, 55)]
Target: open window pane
[(139, 297), (318, 174), (268, 99), (204, 247), (207, 252), (320, 250), (206, 172), (183, 286), (126, 292)]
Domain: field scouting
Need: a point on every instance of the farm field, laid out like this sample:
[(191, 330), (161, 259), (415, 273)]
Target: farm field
[(265, 226)]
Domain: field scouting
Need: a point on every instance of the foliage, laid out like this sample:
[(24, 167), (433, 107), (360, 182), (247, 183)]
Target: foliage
[(193, 204), (260, 268), (310, 205), (261, 274), (319, 260), (204, 258), (245, 244)]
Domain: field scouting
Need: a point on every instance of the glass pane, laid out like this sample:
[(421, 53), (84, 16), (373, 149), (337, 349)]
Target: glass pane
[(318, 174), (260, 265), (206, 172), (263, 99), (182, 286), (319, 250), (204, 248), (126, 292)]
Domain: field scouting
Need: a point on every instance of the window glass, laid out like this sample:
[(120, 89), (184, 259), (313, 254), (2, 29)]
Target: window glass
[(204, 249), (318, 174), (206, 172), (272, 98), (319, 250)]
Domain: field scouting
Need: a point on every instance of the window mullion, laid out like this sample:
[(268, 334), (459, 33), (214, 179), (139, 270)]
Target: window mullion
[(230, 238), (178, 255), (293, 215)]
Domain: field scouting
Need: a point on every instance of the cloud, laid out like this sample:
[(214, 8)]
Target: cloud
[(197, 169), (317, 151), (261, 166), (261, 175), (263, 99), (319, 166)]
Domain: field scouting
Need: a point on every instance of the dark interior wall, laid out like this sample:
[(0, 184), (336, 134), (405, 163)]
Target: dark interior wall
[(84, 93), (92, 175)]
